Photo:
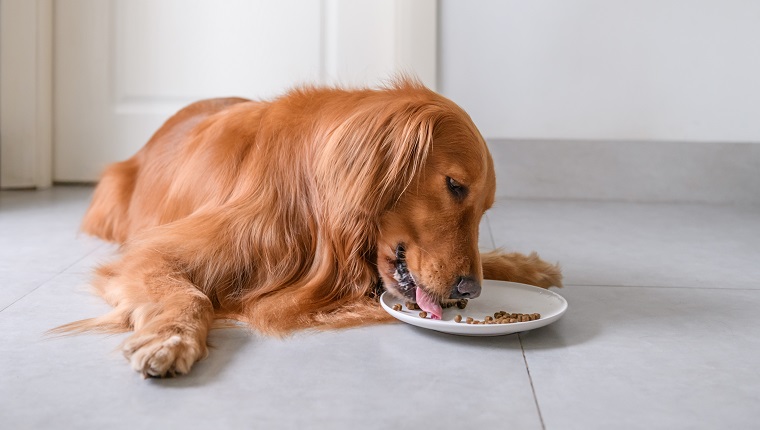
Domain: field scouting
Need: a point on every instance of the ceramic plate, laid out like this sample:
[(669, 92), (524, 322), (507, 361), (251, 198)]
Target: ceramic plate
[(495, 296)]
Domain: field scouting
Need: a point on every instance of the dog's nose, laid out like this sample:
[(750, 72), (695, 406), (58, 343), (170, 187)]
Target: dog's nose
[(466, 287)]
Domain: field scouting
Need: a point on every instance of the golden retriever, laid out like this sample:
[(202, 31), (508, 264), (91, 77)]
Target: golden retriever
[(294, 213)]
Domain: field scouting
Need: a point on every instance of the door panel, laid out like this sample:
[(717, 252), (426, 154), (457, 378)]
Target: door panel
[(122, 67), (215, 48)]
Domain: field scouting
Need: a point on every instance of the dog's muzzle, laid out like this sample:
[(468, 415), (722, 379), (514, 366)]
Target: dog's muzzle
[(465, 287)]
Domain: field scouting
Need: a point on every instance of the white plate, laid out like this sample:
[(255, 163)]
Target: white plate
[(495, 296)]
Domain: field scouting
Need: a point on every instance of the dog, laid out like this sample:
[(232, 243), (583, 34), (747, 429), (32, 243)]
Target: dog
[(294, 213)]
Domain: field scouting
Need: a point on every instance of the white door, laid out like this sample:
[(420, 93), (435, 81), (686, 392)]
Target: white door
[(122, 67)]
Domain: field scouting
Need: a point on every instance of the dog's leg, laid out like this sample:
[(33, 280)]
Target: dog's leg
[(170, 316), (516, 267)]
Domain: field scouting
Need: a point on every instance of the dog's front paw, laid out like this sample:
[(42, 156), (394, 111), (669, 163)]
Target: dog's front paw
[(163, 354)]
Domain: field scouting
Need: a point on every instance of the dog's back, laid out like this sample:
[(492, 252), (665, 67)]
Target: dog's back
[(287, 214), (115, 214)]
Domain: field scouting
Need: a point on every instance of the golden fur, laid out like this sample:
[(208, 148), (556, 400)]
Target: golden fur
[(288, 214)]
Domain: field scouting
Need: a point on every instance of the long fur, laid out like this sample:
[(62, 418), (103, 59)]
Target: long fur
[(264, 212)]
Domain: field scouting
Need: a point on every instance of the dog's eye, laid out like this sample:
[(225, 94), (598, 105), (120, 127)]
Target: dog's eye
[(458, 190)]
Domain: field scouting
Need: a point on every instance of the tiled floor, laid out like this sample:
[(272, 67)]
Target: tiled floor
[(662, 332)]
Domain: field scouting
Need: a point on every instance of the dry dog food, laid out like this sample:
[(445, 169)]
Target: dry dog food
[(501, 317), (461, 304)]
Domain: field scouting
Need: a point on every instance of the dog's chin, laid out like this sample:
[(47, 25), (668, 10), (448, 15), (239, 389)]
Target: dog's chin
[(404, 284), (399, 286), (398, 279)]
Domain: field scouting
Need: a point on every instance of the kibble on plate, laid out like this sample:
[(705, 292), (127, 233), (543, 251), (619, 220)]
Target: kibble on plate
[(501, 317)]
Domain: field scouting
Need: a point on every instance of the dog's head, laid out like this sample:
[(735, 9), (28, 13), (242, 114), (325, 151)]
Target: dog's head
[(404, 178), (427, 247)]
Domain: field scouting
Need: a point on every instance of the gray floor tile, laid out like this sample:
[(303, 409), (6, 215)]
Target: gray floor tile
[(636, 244), (622, 357), (635, 357), (16, 284), (104, 253), (374, 377), (39, 229), (485, 237)]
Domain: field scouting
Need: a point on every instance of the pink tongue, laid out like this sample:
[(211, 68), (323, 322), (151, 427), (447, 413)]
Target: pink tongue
[(427, 304)]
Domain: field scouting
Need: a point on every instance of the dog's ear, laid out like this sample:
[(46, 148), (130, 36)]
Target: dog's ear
[(362, 166), (368, 160)]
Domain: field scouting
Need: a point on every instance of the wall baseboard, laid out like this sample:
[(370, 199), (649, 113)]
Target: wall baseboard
[(681, 172)]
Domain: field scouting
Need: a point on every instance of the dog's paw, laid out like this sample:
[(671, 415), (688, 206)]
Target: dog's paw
[(161, 355)]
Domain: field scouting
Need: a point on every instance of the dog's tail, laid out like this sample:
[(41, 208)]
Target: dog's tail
[(113, 322)]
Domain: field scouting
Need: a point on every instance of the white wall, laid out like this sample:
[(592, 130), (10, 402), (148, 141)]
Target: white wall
[(86, 82), (682, 70)]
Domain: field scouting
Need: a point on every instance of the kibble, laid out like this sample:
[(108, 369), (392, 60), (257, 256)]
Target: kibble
[(500, 317)]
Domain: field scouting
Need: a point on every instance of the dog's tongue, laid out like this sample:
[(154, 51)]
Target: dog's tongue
[(428, 304)]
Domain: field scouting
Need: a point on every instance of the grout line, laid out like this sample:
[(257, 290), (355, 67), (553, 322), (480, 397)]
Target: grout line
[(490, 231), (83, 257), (52, 276), (677, 287), (532, 388)]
